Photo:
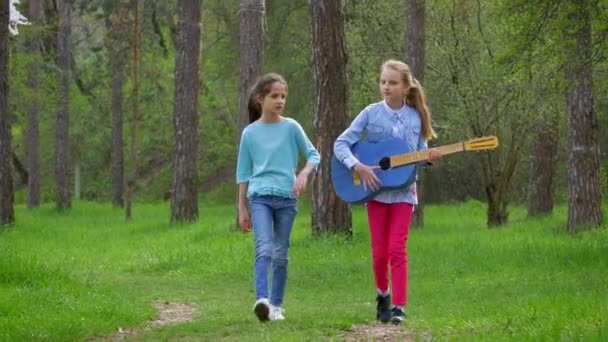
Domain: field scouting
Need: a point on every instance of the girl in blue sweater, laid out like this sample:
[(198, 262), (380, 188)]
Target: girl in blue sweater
[(266, 174)]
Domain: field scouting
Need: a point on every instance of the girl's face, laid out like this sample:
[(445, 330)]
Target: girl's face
[(391, 85), (274, 101)]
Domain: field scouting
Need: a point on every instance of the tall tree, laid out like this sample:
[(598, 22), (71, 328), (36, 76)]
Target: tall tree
[(251, 47), (251, 56), (135, 104), (330, 214), (481, 96), (584, 199), (7, 213), (62, 145), (415, 56), (530, 25), (33, 114), (117, 62), (184, 197)]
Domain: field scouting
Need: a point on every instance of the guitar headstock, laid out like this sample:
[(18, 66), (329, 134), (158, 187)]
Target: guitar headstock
[(483, 143)]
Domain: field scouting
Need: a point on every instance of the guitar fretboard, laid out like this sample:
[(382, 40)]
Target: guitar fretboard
[(413, 157)]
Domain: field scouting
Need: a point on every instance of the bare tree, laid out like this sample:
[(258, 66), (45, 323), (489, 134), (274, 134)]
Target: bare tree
[(33, 114), (584, 199), (7, 213), (184, 197), (62, 148), (415, 42), (330, 214)]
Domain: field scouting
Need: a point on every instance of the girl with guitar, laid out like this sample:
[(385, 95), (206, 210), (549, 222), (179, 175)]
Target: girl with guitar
[(402, 114)]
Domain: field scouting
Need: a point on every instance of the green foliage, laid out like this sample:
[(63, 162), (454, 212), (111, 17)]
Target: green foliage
[(492, 68), (528, 281)]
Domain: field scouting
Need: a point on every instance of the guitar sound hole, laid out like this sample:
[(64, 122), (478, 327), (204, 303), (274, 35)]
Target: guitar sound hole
[(385, 163)]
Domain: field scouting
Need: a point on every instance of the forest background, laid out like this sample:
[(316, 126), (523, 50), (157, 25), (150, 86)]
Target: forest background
[(497, 68)]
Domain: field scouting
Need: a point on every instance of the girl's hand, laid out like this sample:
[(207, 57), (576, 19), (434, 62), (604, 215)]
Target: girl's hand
[(244, 221), (300, 184), (434, 154), (368, 176)]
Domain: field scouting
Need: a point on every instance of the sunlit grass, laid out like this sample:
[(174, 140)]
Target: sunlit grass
[(87, 273)]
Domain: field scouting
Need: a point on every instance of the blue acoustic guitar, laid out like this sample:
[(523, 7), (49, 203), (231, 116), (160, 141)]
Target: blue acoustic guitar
[(397, 165)]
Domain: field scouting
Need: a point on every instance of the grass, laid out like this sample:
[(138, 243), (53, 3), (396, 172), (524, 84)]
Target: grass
[(86, 273)]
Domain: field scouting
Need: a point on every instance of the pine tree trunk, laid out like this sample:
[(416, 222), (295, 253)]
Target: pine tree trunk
[(584, 199), (7, 213), (33, 114), (330, 214), (184, 197), (415, 42), (117, 60), (251, 48), (62, 148), (135, 114)]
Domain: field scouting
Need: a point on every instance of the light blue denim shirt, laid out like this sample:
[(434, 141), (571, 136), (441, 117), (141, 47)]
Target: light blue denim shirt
[(268, 157), (378, 121)]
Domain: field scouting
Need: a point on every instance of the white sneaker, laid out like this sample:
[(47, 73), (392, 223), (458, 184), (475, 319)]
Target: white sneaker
[(276, 313), (261, 308)]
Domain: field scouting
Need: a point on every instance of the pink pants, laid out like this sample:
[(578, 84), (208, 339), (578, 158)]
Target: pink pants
[(389, 226)]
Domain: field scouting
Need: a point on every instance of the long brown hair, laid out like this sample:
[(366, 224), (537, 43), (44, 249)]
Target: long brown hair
[(415, 96), (261, 88)]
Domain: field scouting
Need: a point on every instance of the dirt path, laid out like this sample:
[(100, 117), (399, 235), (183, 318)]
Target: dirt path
[(168, 313), (383, 332)]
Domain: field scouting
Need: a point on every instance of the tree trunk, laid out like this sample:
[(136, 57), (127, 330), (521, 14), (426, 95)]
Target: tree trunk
[(543, 163), (184, 197), (7, 213), (415, 56), (251, 38), (77, 184), (251, 48), (62, 148), (33, 114), (329, 214), (117, 60), (135, 118), (497, 178), (584, 199)]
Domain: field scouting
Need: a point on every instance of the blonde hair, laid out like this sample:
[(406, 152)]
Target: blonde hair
[(415, 95)]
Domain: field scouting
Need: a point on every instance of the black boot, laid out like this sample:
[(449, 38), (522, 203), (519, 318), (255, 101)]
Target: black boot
[(398, 315), (383, 309)]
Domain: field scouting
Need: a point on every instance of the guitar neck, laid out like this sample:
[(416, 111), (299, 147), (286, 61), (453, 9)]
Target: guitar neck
[(413, 157)]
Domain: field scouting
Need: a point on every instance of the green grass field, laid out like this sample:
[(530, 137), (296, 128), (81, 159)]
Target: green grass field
[(85, 274)]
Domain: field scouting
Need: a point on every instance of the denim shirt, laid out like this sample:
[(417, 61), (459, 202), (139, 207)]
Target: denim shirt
[(378, 122)]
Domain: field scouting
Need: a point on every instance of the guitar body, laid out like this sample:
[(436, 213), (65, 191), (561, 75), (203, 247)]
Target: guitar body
[(351, 191)]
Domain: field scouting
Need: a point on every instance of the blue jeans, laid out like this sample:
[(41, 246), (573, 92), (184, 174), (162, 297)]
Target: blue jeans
[(272, 219)]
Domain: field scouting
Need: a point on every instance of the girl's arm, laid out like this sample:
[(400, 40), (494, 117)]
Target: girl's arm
[(243, 172), (434, 154), (299, 186), (242, 200), (244, 162), (342, 145), (306, 148), (342, 151), (312, 160), (244, 221)]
